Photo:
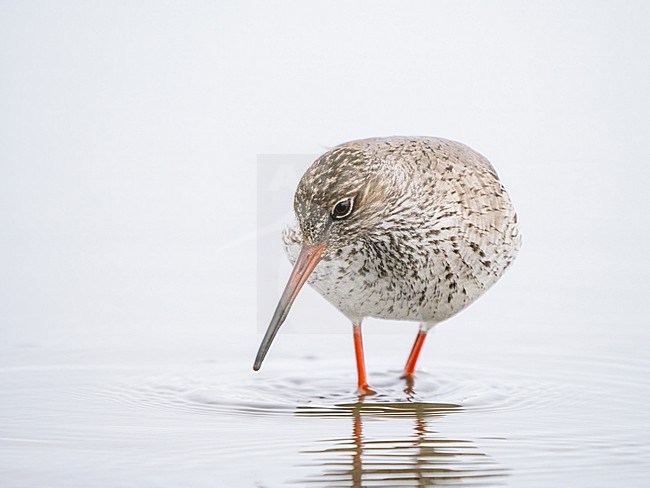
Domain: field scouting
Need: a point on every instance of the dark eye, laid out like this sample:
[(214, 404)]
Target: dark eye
[(343, 208)]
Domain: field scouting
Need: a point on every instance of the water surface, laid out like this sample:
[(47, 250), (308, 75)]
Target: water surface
[(171, 418)]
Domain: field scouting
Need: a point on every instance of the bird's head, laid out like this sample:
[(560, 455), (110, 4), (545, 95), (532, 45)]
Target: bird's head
[(339, 199)]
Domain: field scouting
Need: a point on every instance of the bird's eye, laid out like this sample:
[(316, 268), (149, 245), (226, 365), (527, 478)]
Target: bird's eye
[(343, 208)]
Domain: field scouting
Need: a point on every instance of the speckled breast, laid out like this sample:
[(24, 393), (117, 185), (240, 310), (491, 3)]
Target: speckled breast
[(354, 280)]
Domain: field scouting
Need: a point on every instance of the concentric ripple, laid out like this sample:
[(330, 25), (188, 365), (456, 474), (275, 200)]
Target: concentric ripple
[(289, 395), (461, 425)]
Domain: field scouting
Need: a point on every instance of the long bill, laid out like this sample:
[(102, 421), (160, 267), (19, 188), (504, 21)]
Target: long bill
[(307, 260)]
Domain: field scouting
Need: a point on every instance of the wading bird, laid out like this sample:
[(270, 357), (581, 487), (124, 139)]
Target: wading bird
[(403, 228)]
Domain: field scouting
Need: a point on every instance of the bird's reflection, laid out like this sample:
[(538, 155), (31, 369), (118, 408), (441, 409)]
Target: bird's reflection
[(420, 457)]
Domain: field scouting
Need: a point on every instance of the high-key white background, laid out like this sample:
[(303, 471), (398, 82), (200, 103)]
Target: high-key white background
[(130, 134)]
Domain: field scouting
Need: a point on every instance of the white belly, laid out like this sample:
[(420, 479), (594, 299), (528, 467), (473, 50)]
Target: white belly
[(355, 285)]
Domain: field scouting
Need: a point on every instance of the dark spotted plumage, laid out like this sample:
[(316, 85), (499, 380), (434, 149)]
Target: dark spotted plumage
[(430, 230), (406, 228)]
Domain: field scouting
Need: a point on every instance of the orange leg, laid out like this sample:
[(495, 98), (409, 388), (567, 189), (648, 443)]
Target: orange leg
[(413, 357), (362, 384)]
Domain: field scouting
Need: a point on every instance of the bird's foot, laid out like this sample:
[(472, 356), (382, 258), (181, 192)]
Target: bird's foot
[(408, 379), (364, 390)]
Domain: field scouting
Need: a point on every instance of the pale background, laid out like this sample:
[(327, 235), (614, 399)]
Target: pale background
[(130, 135)]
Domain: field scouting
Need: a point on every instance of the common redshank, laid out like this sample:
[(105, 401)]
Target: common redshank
[(402, 228)]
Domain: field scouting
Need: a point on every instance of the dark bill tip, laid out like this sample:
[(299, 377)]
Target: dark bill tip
[(307, 260)]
